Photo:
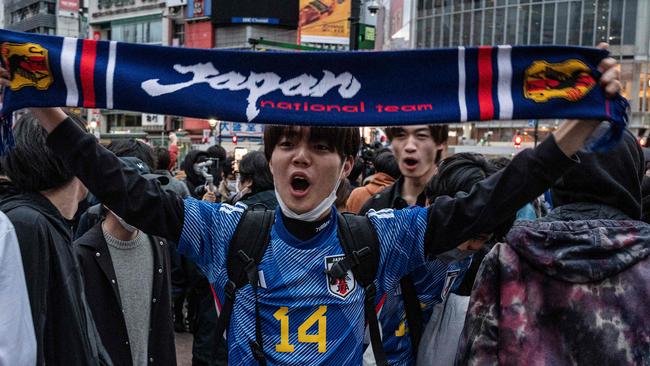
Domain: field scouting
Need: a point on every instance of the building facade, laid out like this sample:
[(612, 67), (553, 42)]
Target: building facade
[(134, 21), (624, 24)]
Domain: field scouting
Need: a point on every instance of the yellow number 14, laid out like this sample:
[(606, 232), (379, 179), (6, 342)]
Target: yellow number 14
[(320, 337)]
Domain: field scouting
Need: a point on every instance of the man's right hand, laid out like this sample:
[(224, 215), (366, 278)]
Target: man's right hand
[(49, 118)]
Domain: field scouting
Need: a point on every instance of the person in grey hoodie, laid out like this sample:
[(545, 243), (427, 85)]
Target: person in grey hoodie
[(572, 287)]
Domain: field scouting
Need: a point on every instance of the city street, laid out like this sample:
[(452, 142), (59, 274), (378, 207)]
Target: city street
[(183, 349)]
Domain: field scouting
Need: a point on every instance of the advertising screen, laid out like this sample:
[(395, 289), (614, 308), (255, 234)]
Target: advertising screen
[(276, 12), (324, 21)]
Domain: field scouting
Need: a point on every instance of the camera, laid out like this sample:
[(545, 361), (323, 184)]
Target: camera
[(373, 7)]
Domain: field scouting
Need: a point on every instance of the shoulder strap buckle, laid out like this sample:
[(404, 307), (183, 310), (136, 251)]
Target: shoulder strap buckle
[(230, 289)]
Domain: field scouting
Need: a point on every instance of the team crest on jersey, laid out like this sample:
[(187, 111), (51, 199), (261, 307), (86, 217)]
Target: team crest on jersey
[(571, 80), (27, 64), (343, 287), (449, 282)]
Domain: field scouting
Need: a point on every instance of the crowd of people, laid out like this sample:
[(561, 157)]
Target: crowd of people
[(306, 252)]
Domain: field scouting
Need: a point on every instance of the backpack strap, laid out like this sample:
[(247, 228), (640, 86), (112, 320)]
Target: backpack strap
[(246, 250), (413, 311), (361, 246)]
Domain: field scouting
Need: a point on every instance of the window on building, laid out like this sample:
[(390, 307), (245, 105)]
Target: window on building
[(511, 25), (429, 39), (428, 7), (499, 25), (615, 24), (602, 18), (561, 23), (477, 20), (467, 29), (179, 33), (575, 13), (629, 29), (420, 39), (535, 24), (549, 23), (437, 33), (446, 24), (589, 9), (524, 19), (456, 34), (488, 27)]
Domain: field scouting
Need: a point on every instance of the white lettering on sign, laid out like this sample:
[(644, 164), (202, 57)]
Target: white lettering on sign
[(257, 84)]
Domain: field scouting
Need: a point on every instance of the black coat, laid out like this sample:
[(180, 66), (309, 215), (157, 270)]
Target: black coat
[(104, 298), (65, 330)]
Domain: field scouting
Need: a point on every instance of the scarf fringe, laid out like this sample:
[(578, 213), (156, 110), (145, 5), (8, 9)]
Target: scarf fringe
[(614, 133), (6, 134)]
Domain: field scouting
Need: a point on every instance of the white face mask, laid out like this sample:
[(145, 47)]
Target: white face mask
[(232, 185), (317, 211)]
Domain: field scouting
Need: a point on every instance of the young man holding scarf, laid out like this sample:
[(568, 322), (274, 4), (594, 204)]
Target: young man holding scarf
[(294, 298)]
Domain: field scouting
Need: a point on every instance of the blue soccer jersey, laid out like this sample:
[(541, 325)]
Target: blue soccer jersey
[(306, 318), (432, 281)]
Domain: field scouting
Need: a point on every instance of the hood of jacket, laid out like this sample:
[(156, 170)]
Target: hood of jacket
[(581, 243), (381, 179)]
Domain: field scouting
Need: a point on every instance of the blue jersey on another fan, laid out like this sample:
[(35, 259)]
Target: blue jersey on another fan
[(433, 280), (306, 318)]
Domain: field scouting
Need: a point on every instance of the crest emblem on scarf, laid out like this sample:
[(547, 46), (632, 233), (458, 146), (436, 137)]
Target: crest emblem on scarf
[(27, 64), (570, 80), (339, 287)]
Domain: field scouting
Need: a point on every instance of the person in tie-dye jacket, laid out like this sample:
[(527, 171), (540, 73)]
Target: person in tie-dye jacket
[(572, 288)]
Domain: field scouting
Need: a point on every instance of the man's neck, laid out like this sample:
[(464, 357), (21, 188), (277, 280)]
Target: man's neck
[(116, 230), (65, 199), (413, 187)]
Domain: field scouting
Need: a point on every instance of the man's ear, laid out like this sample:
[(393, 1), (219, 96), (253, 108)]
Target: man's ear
[(348, 164)]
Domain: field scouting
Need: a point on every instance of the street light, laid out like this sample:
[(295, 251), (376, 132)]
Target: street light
[(93, 128), (213, 123)]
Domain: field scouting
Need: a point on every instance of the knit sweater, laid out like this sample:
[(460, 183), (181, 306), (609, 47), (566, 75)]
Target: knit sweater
[(133, 265)]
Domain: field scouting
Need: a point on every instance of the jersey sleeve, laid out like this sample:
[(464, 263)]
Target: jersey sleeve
[(401, 240), (207, 230)]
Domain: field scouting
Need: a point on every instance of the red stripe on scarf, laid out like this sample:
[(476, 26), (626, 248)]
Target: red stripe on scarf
[(486, 106), (87, 71)]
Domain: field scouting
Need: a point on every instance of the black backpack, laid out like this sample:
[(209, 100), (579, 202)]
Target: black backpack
[(360, 244)]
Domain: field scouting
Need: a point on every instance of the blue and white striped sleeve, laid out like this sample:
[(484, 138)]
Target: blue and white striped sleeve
[(401, 238), (207, 230)]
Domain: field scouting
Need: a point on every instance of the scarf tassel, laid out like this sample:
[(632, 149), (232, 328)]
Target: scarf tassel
[(6, 134), (614, 133)]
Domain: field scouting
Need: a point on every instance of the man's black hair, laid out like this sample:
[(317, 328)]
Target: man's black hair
[(217, 152), (134, 148), (458, 173), (385, 162), (439, 133), (254, 166), (227, 167), (345, 141), (31, 165), (163, 158)]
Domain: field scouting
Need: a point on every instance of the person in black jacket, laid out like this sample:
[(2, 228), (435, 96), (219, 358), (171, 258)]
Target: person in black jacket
[(42, 216), (127, 279), (255, 186)]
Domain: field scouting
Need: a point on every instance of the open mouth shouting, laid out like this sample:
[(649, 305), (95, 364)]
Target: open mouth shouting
[(410, 163), (299, 185)]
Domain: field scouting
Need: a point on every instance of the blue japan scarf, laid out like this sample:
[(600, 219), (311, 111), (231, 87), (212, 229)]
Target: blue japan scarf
[(310, 88)]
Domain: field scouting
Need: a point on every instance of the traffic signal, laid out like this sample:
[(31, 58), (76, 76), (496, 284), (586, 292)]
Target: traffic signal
[(234, 139), (518, 139)]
